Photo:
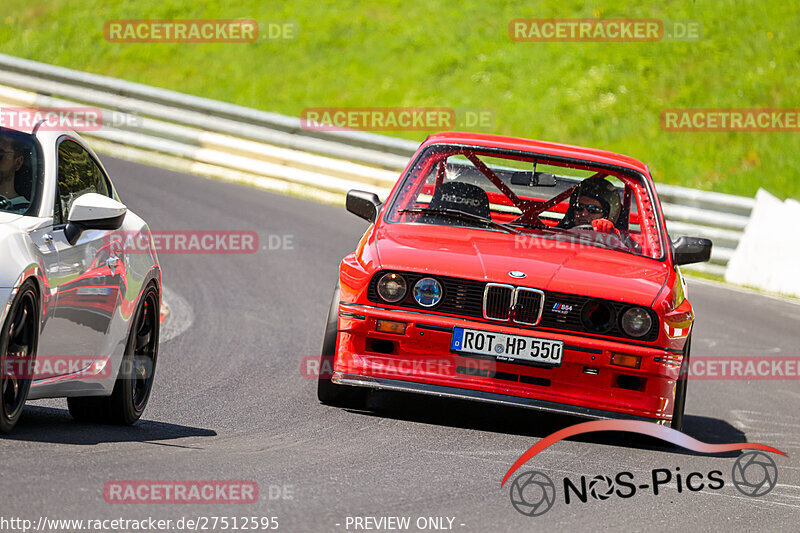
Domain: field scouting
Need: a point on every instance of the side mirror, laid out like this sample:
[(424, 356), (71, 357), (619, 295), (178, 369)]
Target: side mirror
[(364, 204), (692, 250), (93, 211)]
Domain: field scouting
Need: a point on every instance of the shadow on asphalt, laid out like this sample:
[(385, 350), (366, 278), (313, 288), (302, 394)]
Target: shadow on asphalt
[(529, 423), (48, 424)]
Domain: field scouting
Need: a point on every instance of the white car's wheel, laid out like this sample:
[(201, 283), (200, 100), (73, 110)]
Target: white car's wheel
[(135, 379), (18, 342)]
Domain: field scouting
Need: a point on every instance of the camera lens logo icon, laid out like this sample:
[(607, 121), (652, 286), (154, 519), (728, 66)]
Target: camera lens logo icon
[(755, 474), (532, 493), (601, 487)]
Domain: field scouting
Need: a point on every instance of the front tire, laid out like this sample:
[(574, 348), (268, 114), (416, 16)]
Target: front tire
[(135, 378), (328, 392), (19, 340), (680, 389)]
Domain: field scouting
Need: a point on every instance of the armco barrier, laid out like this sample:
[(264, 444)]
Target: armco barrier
[(273, 151)]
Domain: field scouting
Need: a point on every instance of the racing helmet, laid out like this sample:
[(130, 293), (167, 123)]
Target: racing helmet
[(601, 190)]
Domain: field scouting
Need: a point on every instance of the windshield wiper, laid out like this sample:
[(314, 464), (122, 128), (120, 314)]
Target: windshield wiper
[(532, 225), (455, 213)]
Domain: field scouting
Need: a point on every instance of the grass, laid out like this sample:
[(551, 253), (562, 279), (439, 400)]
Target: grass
[(459, 55)]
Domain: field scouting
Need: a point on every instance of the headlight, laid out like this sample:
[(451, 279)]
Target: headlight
[(598, 316), (392, 287), (636, 322), (428, 292)]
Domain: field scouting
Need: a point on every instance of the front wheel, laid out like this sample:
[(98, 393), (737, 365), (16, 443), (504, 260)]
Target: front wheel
[(680, 389), (18, 342), (135, 377), (328, 392)]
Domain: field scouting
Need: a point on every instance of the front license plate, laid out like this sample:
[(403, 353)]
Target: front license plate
[(507, 347)]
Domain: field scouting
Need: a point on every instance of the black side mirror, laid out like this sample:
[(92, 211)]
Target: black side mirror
[(692, 250), (364, 204)]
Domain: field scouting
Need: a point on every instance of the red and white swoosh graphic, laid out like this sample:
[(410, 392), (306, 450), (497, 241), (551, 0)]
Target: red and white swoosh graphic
[(634, 426)]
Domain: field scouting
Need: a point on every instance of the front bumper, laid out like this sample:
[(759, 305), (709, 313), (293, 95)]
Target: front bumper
[(420, 360), (477, 395)]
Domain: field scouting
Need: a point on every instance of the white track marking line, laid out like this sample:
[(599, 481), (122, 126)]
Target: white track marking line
[(180, 316)]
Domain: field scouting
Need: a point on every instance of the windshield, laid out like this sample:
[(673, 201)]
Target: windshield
[(530, 196), (20, 173)]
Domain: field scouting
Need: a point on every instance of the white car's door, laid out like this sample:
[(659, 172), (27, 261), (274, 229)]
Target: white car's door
[(91, 272)]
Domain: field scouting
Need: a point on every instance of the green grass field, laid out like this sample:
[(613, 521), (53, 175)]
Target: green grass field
[(459, 55)]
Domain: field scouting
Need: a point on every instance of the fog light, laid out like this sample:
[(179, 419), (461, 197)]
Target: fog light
[(631, 361), (389, 326)]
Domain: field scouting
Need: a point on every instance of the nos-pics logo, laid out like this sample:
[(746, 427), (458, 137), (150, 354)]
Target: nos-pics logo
[(533, 493)]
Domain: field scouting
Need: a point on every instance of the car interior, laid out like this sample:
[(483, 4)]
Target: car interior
[(540, 197)]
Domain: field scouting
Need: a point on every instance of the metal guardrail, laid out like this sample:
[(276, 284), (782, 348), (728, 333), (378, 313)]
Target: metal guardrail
[(273, 151)]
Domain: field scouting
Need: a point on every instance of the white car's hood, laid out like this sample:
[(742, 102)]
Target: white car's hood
[(8, 218), (23, 223)]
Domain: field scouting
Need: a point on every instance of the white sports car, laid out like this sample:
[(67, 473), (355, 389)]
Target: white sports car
[(80, 315)]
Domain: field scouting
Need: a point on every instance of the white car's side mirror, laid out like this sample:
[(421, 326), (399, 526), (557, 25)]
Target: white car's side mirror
[(93, 211)]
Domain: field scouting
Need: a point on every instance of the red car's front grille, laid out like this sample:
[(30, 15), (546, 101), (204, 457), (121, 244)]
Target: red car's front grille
[(497, 301), (522, 306), (528, 307), (517, 304)]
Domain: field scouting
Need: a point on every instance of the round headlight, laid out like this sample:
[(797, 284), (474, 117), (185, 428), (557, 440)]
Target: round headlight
[(392, 287), (636, 322), (598, 316), (428, 292)]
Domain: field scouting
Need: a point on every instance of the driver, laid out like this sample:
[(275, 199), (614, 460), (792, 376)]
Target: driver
[(595, 202), (11, 160)]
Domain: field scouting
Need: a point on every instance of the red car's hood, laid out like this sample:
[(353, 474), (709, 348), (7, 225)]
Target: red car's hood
[(548, 264)]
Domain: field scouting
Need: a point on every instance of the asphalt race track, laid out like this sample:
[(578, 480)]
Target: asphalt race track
[(230, 403)]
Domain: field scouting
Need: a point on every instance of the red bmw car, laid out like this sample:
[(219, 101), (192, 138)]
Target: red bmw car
[(516, 272)]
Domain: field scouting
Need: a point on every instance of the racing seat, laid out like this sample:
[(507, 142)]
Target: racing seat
[(461, 196)]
